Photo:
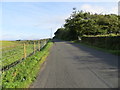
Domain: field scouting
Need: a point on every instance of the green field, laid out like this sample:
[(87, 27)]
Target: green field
[(23, 74), (8, 43), (14, 50)]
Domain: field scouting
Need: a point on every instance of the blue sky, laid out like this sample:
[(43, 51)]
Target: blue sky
[(34, 20)]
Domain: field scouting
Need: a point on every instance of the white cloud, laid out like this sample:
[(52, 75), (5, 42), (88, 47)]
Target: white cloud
[(99, 9), (52, 21), (114, 10), (92, 9)]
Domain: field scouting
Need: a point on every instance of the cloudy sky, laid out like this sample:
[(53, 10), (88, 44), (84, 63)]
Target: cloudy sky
[(35, 20)]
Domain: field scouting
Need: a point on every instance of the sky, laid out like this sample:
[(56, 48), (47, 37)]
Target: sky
[(37, 20)]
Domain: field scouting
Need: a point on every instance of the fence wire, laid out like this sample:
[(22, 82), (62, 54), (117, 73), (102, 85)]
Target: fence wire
[(14, 56)]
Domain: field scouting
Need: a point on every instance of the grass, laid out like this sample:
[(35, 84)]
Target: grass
[(15, 53), (12, 54), (22, 75), (112, 34), (114, 52), (8, 43)]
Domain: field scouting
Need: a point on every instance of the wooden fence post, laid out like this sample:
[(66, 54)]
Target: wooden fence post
[(34, 47), (45, 42), (24, 51), (39, 45)]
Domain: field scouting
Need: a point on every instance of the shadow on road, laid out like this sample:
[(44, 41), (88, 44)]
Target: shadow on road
[(103, 56), (93, 53)]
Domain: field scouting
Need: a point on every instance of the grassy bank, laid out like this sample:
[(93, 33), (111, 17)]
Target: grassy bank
[(115, 52), (22, 75), (105, 35)]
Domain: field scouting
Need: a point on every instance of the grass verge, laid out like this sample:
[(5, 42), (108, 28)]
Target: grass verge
[(115, 52), (22, 75), (112, 34)]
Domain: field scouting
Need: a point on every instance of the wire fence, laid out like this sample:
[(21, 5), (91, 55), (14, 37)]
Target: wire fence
[(11, 56)]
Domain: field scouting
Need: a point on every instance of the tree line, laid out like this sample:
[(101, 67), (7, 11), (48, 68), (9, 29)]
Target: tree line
[(85, 23)]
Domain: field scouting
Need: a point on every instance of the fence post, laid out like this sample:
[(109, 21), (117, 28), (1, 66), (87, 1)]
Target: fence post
[(24, 51), (34, 47), (45, 42), (39, 45)]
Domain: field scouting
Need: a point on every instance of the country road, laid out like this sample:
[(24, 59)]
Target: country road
[(75, 66)]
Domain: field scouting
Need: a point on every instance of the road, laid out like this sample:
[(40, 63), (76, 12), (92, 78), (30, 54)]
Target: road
[(75, 66)]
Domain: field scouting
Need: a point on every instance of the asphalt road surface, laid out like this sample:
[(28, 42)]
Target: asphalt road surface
[(75, 66)]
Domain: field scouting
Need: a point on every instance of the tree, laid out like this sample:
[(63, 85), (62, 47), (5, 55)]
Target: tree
[(80, 23)]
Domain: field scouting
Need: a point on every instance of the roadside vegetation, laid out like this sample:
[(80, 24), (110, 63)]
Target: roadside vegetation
[(14, 50), (97, 30), (115, 52), (23, 74)]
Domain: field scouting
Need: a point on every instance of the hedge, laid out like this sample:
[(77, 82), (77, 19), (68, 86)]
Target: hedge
[(110, 43)]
